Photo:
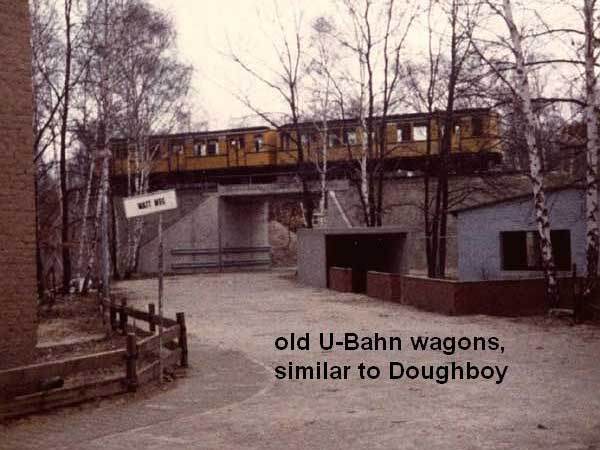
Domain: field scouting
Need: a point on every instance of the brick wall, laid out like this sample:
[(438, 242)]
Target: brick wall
[(429, 294), (340, 279), (385, 286), (17, 217), (493, 297)]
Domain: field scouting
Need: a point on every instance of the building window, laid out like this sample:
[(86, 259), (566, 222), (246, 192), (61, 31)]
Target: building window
[(212, 147), (403, 132), (521, 250), (420, 132), (350, 137), (199, 148), (258, 142), (476, 126)]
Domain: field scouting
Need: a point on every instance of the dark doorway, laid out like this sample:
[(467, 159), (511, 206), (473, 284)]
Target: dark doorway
[(363, 253)]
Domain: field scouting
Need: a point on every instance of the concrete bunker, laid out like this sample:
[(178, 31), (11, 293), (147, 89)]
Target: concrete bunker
[(355, 251), (363, 253)]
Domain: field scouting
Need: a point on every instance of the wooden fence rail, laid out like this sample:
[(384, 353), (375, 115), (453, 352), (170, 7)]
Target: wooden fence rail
[(39, 387)]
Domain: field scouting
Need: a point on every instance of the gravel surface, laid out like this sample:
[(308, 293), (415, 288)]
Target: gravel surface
[(549, 398)]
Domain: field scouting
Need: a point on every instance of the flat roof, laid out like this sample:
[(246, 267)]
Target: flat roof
[(515, 198)]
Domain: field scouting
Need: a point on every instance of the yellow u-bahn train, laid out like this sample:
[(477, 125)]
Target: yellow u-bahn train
[(263, 151)]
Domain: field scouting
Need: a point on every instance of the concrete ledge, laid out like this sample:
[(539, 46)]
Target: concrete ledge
[(340, 279), (384, 286)]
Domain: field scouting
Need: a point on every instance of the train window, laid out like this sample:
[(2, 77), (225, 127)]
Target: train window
[(476, 126), (304, 139), (285, 141), (155, 149), (403, 132), (350, 137), (121, 152), (199, 148), (420, 132), (258, 143), (242, 142), (176, 147), (333, 139), (212, 147)]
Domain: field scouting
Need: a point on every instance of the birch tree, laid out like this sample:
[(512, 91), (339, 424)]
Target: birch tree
[(372, 36), (323, 81), (523, 97), (591, 119), (153, 92)]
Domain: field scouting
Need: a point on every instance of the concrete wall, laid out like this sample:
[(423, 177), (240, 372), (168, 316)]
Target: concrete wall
[(18, 306), (243, 223), (313, 245), (479, 251), (312, 262), (198, 229)]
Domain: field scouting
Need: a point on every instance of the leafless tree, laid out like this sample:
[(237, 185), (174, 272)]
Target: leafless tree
[(373, 36), (519, 85), (286, 81)]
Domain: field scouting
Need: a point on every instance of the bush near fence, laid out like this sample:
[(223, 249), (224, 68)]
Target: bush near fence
[(39, 387)]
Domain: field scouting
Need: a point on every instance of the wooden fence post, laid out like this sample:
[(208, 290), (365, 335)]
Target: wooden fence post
[(131, 363), (123, 316), (182, 339), (152, 314)]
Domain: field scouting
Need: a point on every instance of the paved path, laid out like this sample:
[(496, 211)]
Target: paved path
[(231, 400)]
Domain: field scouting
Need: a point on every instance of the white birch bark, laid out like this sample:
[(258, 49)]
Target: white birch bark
[(591, 117), (541, 212), (83, 239), (93, 248)]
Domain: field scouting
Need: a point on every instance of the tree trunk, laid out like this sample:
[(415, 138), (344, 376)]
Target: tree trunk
[(83, 238), (591, 115), (65, 235), (535, 174)]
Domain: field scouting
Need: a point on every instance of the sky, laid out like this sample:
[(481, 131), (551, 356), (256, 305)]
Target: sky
[(208, 29)]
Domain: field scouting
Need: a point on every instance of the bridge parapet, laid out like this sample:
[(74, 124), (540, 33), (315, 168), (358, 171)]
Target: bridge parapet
[(277, 188)]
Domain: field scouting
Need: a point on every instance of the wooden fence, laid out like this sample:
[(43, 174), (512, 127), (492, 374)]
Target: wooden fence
[(40, 387)]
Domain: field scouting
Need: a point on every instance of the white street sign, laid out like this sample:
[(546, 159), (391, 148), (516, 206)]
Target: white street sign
[(142, 205)]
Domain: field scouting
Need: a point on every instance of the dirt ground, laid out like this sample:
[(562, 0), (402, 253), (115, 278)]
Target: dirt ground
[(550, 397), (72, 326)]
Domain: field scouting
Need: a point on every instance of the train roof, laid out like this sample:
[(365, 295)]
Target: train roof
[(207, 133), (307, 124), (396, 117)]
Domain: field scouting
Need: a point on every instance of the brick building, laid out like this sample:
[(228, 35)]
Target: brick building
[(18, 327)]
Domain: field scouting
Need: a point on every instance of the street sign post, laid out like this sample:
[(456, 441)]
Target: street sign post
[(143, 205), (155, 202)]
